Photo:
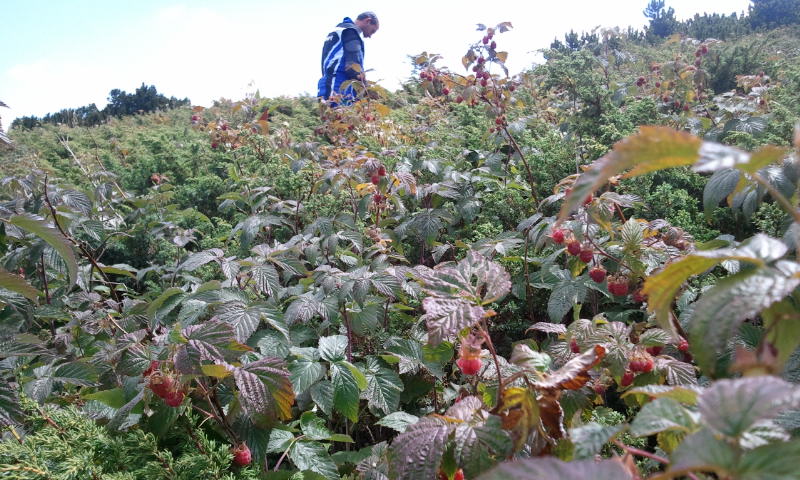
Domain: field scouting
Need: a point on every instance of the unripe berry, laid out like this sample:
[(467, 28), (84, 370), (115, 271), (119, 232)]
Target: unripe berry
[(598, 274), (242, 456), (469, 366)]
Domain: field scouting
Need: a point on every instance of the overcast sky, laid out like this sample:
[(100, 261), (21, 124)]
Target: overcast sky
[(69, 53)]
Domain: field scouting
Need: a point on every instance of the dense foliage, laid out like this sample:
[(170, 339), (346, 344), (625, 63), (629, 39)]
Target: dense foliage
[(585, 271)]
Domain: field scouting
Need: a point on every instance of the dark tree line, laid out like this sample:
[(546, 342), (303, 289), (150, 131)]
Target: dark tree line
[(145, 99)]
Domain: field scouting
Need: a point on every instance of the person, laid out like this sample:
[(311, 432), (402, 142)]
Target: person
[(343, 58)]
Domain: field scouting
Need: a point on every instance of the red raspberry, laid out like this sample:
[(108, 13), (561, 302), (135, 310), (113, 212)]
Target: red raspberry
[(655, 350), (382, 171), (573, 345), (493, 45), (469, 366), (460, 473), (598, 274), (683, 345), (485, 40), (152, 368), (618, 287), (586, 255), (445, 90), (558, 236), (599, 388), (459, 99), (588, 199), (627, 378), (375, 179), (174, 399), (241, 455), (484, 83), (639, 297), (160, 385), (574, 247)]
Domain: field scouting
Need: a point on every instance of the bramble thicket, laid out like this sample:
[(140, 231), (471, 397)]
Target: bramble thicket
[(588, 271)]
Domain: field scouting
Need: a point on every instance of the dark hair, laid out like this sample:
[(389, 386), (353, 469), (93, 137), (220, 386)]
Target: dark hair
[(373, 19)]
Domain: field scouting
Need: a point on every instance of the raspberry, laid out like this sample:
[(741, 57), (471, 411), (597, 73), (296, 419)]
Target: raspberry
[(160, 385), (642, 362), (639, 297), (573, 345), (469, 366), (598, 274), (445, 91), (460, 473), (242, 456), (683, 345), (655, 350), (618, 287), (174, 399), (375, 179), (586, 255), (588, 199), (152, 368), (382, 171), (627, 378), (574, 247), (599, 388), (557, 236)]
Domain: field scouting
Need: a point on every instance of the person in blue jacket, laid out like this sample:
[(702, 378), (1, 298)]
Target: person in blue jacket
[(344, 48)]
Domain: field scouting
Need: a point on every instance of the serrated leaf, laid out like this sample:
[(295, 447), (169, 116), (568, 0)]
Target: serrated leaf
[(446, 317), (417, 453), (313, 427), (383, 386), (322, 394), (552, 468), (347, 387), (683, 394), (523, 356), (589, 439), (398, 421), (304, 373), (333, 348), (721, 184), (720, 311), (10, 412), (264, 387), (660, 415), (266, 279), (478, 446), (313, 456), (702, 451), (731, 407), (54, 238), (18, 285), (216, 371)]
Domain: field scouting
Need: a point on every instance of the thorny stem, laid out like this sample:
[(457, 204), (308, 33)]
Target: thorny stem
[(46, 288), (349, 334), (490, 346), (605, 254), (82, 248)]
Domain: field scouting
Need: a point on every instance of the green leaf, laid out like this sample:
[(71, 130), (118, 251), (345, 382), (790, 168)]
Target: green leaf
[(10, 412), (78, 372), (333, 348), (703, 451), (313, 427), (398, 421), (731, 407), (653, 148), (114, 398), (478, 447), (552, 468), (322, 394), (54, 238), (417, 453), (776, 461), (266, 279), (305, 372), (383, 386), (564, 296), (347, 388), (17, 284), (279, 440), (782, 329), (589, 439), (719, 186), (720, 310), (523, 356), (155, 305), (659, 415), (313, 456)]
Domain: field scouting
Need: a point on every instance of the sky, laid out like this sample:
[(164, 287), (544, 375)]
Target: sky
[(70, 53)]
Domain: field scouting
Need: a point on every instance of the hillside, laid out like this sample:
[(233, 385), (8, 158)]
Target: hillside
[(476, 276)]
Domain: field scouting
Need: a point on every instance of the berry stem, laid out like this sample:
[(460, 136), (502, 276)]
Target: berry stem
[(485, 332)]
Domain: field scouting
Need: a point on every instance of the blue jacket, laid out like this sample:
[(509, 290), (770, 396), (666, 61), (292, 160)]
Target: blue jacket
[(343, 48)]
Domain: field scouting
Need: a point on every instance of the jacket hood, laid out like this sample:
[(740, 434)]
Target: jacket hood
[(347, 23)]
